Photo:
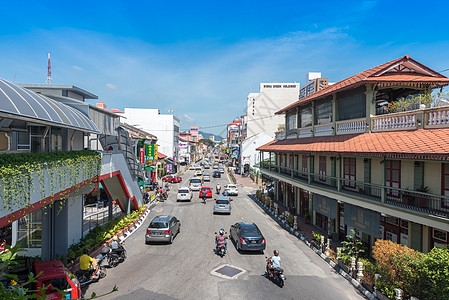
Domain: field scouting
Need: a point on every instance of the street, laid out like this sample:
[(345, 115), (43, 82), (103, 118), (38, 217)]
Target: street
[(183, 269)]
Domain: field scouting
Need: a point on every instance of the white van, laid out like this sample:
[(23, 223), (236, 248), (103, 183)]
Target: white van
[(195, 183)]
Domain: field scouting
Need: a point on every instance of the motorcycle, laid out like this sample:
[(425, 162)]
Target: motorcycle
[(278, 273), (115, 256), (86, 277), (220, 250), (218, 189), (162, 195)]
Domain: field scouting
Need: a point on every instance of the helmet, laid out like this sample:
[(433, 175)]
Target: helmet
[(275, 252), (86, 251), (115, 238), (221, 231)]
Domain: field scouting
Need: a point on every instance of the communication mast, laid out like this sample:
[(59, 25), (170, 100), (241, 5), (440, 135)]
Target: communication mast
[(49, 70)]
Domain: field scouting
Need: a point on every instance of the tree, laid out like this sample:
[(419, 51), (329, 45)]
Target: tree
[(412, 102), (207, 142)]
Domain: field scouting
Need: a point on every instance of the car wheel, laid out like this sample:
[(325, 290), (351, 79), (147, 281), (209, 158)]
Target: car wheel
[(171, 239)]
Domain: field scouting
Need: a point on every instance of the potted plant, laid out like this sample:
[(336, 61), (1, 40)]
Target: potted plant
[(407, 198), (422, 199)]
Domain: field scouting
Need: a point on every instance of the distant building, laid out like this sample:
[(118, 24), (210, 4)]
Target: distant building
[(314, 83), (165, 127), (212, 138), (262, 106)]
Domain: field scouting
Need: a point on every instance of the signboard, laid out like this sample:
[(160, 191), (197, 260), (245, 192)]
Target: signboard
[(169, 168), (150, 152), (362, 219), (142, 155), (325, 206)]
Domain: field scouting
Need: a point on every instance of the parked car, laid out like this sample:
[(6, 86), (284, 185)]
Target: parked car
[(206, 177), (222, 205), (247, 237), (231, 190), (162, 229), (216, 174), (167, 178), (205, 191), (221, 169), (195, 183), (184, 194)]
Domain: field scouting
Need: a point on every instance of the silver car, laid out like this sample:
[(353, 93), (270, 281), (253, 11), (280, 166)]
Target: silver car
[(162, 229), (206, 177), (231, 190), (196, 183), (222, 205)]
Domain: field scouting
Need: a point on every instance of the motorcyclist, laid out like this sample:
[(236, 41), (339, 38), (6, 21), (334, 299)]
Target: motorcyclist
[(221, 238), (275, 262), (116, 247), (88, 264), (218, 188)]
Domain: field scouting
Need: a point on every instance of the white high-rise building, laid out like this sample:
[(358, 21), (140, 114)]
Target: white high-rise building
[(165, 127), (262, 106)]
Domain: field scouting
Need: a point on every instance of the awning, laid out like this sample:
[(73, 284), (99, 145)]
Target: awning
[(141, 182), (18, 102)]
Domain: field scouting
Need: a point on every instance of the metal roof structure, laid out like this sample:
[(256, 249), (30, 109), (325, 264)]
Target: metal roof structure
[(20, 103)]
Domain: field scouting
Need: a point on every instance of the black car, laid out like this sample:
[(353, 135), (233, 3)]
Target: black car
[(247, 237), (216, 174)]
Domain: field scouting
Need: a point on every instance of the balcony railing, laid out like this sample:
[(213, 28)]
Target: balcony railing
[(351, 126), (433, 204), (398, 121)]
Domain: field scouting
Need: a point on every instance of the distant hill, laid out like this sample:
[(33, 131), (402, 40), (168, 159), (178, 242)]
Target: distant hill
[(206, 135)]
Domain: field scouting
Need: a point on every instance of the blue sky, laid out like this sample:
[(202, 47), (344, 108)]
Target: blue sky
[(202, 58)]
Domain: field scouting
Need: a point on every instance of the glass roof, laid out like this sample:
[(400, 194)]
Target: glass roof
[(24, 103)]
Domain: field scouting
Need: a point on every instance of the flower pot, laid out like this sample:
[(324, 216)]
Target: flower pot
[(422, 202)]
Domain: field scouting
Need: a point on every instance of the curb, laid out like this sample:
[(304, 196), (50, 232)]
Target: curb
[(299, 235)]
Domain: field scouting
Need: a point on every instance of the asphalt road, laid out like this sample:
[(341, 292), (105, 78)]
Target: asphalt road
[(182, 270)]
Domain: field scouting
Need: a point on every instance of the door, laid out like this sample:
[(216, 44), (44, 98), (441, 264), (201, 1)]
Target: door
[(393, 177)]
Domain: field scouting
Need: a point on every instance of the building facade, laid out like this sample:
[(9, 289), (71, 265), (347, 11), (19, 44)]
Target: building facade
[(262, 106), (347, 163)]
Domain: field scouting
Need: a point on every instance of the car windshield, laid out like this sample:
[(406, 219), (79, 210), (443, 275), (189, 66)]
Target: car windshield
[(205, 189), (158, 225), (183, 191), (232, 186), (196, 180), (251, 231), (222, 201)]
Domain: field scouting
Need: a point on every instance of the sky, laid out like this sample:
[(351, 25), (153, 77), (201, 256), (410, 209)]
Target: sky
[(200, 59)]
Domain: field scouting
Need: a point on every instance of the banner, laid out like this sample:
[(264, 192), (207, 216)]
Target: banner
[(362, 219), (150, 152), (142, 155), (325, 206)]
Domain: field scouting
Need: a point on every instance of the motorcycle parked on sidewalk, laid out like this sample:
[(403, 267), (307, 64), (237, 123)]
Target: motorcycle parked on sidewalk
[(86, 277), (278, 273)]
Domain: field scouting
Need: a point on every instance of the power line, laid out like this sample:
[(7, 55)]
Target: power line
[(443, 71)]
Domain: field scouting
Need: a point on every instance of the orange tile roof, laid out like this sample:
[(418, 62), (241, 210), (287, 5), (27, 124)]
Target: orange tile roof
[(380, 75), (414, 144)]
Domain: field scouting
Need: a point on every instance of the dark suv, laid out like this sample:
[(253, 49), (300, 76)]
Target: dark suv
[(162, 229), (216, 174)]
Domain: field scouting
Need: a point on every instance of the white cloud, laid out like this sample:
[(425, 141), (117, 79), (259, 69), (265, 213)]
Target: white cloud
[(78, 68), (112, 86), (189, 118)]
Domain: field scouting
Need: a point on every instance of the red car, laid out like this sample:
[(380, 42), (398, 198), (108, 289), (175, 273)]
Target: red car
[(176, 179), (206, 191), (168, 178)]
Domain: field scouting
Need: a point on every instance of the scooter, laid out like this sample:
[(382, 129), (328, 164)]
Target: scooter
[(220, 250), (278, 273), (86, 277), (218, 189)]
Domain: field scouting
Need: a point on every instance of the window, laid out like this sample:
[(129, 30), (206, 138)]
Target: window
[(351, 105), (349, 172), (291, 121), (393, 177), (305, 167), (445, 184), (306, 116), (323, 112), (322, 168), (29, 231)]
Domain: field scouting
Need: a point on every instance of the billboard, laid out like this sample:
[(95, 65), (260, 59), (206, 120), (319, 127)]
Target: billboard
[(150, 152)]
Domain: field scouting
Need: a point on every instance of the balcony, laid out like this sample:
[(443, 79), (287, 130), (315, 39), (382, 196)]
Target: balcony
[(426, 203)]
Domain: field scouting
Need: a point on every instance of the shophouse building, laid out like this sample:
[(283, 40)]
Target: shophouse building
[(164, 126), (346, 162)]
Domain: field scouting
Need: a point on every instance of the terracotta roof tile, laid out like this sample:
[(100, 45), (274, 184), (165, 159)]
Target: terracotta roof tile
[(415, 144), (374, 75)]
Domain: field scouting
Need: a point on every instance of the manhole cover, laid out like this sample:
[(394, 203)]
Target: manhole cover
[(228, 271)]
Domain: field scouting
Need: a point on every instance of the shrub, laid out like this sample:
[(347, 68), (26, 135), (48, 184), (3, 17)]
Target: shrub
[(290, 219), (317, 236), (369, 270)]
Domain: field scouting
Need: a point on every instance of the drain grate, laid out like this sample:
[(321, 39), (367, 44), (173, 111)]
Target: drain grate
[(228, 271)]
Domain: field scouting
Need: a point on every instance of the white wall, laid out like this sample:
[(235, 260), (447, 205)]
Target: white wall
[(249, 153), (161, 126), (262, 106)]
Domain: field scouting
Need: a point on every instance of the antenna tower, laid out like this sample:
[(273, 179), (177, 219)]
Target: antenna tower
[(49, 70)]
